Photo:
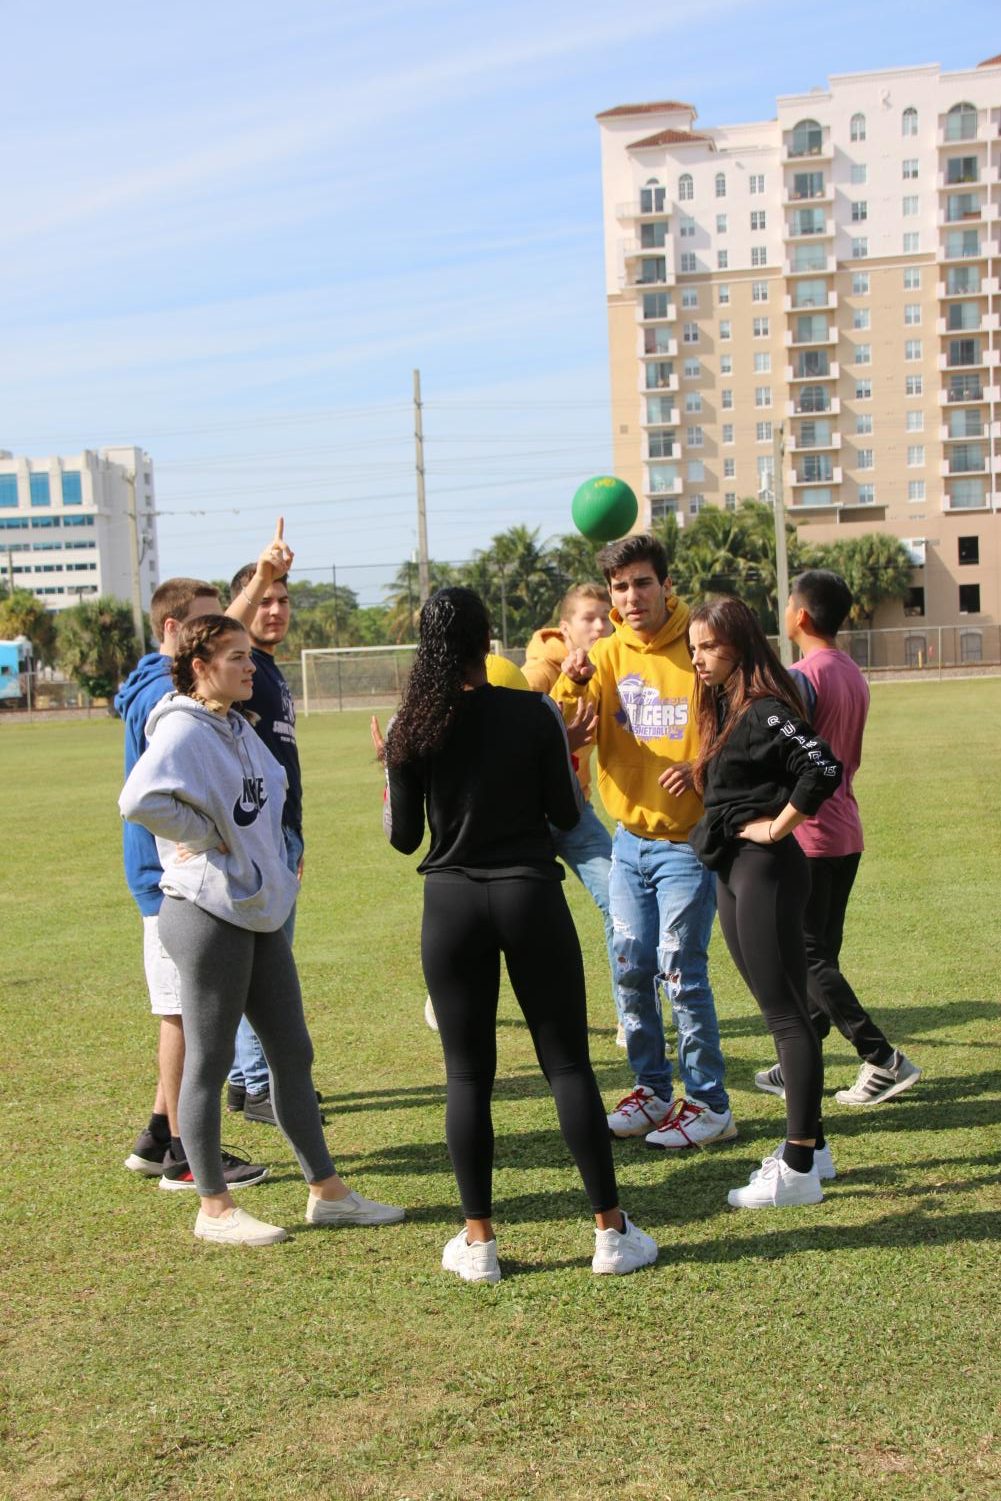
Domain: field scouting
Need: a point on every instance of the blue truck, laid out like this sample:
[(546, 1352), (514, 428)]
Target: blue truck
[(15, 667)]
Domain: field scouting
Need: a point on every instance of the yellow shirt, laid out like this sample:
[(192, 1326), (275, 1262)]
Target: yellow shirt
[(644, 693)]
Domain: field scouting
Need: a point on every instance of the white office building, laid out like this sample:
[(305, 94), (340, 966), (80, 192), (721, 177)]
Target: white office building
[(65, 533)]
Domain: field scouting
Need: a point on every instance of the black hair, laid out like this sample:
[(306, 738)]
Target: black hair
[(454, 636), (825, 597), (640, 548)]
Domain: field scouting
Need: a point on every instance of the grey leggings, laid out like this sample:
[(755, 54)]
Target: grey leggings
[(227, 972)]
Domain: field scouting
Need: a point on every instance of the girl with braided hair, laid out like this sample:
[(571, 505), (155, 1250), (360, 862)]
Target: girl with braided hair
[(487, 767), (211, 792)]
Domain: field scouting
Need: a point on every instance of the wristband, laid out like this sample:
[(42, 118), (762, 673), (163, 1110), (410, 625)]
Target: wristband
[(770, 839)]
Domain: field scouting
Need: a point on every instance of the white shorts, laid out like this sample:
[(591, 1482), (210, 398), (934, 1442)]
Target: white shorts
[(161, 973)]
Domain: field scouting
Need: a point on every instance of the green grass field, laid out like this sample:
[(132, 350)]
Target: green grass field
[(842, 1352)]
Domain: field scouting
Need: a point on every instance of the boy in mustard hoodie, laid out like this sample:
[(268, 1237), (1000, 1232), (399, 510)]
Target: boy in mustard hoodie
[(662, 898), (587, 849)]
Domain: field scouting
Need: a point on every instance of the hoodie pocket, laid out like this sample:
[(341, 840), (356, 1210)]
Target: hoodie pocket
[(185, 878)]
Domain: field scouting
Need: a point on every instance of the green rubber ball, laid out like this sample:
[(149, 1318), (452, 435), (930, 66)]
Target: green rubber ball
[(604, 508)]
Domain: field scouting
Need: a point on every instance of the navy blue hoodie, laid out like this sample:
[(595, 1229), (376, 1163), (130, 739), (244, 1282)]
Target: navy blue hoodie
[(135, 700)]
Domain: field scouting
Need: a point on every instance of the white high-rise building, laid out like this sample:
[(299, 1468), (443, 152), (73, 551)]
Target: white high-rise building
[(64, 525), (834, 272)]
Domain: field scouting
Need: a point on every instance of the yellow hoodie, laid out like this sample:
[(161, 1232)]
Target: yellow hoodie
[(544, 656), (644, 694)]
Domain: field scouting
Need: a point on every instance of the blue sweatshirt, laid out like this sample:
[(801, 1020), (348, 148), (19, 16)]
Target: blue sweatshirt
[(136, 698)]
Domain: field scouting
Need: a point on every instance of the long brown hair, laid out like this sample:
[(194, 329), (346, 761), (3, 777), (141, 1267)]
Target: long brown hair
[(200, 637), (758, 674)]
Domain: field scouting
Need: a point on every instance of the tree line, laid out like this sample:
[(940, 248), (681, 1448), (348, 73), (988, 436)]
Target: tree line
[(520, 578)]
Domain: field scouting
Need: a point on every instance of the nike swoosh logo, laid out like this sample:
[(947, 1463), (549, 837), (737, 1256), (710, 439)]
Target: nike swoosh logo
[(244, 816)]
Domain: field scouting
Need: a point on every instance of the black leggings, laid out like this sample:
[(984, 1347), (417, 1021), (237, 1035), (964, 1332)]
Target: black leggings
[(467, 925), (761, 894)]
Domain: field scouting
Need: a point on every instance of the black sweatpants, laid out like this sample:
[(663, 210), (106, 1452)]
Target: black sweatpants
[(831, 998), (467, 925), (761, 896)]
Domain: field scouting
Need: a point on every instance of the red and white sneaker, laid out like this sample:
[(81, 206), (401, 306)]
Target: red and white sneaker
[(637, 1112), (691, 1125)]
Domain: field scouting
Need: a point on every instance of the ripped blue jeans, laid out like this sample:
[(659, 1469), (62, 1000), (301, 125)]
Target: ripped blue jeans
[(663, 901)]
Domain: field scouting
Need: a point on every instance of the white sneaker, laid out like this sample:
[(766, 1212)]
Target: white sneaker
[(429, 1016), (237, 1228), (823, 1161), (616, 1254), (879, 1082), (473, 1263), (691, 1125), (353, 1209), (637, 1112), (775, 1186), (620, 1036), (771, 1081)]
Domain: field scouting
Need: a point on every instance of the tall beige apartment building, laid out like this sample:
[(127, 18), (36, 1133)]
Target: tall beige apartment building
[(819, 291)]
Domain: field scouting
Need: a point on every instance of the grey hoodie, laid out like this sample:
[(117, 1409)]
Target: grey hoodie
[(205, 780)]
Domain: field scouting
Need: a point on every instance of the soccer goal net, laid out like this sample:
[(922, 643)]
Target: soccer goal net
[(353, 677)]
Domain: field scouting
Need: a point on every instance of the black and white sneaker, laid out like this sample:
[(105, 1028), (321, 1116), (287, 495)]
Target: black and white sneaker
[(879, 1082), (771, 1081), (237, 1171), (148, 1155)]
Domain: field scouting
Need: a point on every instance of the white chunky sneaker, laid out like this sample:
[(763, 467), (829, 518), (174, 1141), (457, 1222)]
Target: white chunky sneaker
[(879, 1082), (691, 1125), (353, 1209), (429, 1016), (637, 1112), (476, 1262), (823, 1161), (771, 1081), (776, 1186), (615, 1253), (237, 1228)]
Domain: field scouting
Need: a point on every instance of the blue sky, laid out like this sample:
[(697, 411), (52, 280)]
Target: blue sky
[(232, 233)]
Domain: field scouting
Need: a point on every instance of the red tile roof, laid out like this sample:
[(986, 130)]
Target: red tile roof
[(667, 138), (989, 62), (644, 109)]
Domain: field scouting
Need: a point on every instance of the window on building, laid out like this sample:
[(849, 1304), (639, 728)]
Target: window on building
[(760, 328), (693, 402), (912, 314), (8, 491), (912, 278), (696, 504), (856, 128), (961, 122), (653, 268), (690, 297), (691, 369), (915, 491), (914, 422), (652, 198), (725, 328), (72, 488), (863, 423), (727, 432), (756, 182), (863, 390), (763, 432), (860, 211), (763, 363), (690, 333), (653, 236), (661, 444), (688, 262), (759, 255), (726, 398), (860, 283), (867, 495), (969, 550), (722, 260), (694, 437), (860, 248), (859, 173), (909, 205), (721, 224), (807, 138), (686, 188), (726, 364), (909, 121), (686, 227), (915, 456), (914, 602), (912, 242), (962, 169), (38, 486), (757, 219), (865, 459), (655, 305), (723, 293), (720, 184), (730, 500), (969, 599), (863, 354), (759, 291), (762, 396), (729, 468), (913, 349), (860, 318), (910, 168), (914, 385)]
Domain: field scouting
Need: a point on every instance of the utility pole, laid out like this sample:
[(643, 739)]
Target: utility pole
[(423, 570), (10, 569), (781, 554), (138, 627), (337, 616)]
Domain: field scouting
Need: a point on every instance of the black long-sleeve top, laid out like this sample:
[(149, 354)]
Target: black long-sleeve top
[(771, 758), (490, 791)]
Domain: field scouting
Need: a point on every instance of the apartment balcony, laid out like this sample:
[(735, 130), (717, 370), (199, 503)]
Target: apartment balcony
[(947, 221), (794, 409), (948, 470), (809, 236), (799, 200), (946, 140), (632, 248), (633, 210), (829, 303), (794, 444), (791, 156), (825, 267), (973, 435), (949, 330), (970, 394), (966, 185), (671, 420), (991, 285), (832, 373), (830, 336), (944, 363), (664, 383), (796, 482), (945, 259), (673, 487), (671, 316), (668, 351), (981, 289)]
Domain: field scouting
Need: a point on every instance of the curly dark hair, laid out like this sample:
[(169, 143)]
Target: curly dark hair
[(199, 637), (758, 674), (454, 636)]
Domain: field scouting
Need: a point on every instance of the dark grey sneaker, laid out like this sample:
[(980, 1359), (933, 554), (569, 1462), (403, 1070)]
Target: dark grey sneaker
[(879, 1082), (771, 1081), (236, 1097), (237, 1173), (148, 1155), (258, 1107)]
